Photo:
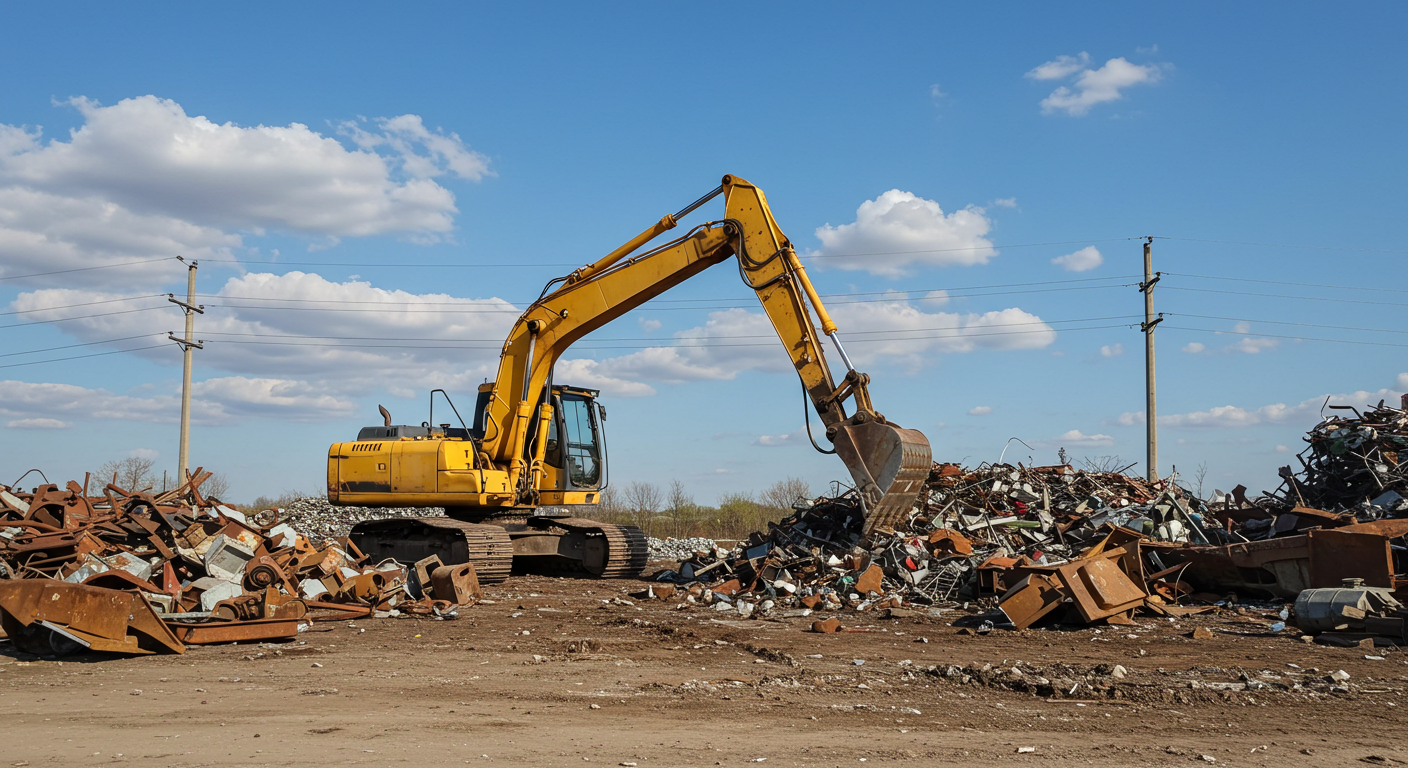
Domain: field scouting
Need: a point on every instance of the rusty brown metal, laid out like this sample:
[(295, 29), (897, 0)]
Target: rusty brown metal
[(37, 611), (213, 632)]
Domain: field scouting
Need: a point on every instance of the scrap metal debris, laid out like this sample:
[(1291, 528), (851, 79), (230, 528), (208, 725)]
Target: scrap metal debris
[(1058, 544), (132, 572)]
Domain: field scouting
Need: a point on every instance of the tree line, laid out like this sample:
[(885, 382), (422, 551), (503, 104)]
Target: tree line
[(671, 512)]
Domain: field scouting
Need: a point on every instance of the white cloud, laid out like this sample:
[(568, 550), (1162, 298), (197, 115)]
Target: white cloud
[(980, 410), (141, 179), (1078, 438), (1282, 449), (1194, 347), (1063, 66), (648, 324), (935, 299), (144, 453), (737, 340), (258, 325), (898, 230), (1091, 86), (1112, 350), (242, 396), (1084, 260), (1005, 202), (936, 93), (1306, 412), (1402, 382), (1252, 346), (795, 437), (39, 424), (1130, 419), (215, 401)]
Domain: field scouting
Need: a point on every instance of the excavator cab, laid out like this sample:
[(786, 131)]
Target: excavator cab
[(574, 457)]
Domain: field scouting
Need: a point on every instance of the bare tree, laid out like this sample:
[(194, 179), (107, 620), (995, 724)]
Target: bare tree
[(133, 473), (784, 493), (684, 514), (1102, 464), (1198, 478), (644, 501), (216, 486)]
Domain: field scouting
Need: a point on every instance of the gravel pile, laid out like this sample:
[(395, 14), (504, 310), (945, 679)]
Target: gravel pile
[(678, 549), (314, 517)]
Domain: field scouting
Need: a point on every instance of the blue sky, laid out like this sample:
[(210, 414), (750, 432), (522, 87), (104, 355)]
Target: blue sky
[(432, 168)]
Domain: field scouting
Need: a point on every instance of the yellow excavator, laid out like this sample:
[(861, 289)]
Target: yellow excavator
[(535, 447)]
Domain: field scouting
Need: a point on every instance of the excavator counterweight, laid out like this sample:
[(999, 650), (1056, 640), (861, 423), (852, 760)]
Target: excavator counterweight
[(535, 456)]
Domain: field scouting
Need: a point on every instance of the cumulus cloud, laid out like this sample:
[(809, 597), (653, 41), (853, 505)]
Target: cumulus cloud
[(39, 424), (215, 401), (1194, 347), (144, 453), (1282, 449), (1090, 86), (1305, 412), (795, 437), (980, 410), (648, 324), (1005, 202), (1061, 67), (1130, 419), (899, 230), (1112, 350), (898, 332), (1084, 260), (1077, 438), (141, 179)]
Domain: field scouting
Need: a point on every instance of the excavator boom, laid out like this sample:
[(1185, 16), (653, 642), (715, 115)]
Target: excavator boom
[(887, 463)]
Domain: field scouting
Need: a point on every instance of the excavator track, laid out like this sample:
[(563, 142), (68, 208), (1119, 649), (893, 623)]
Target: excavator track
[(410, 539), (626, 546)]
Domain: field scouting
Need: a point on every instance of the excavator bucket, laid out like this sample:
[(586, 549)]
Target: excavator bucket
[(889, 465)]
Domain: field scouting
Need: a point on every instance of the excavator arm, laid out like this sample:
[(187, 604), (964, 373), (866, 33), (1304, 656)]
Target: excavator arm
[(889, 464)]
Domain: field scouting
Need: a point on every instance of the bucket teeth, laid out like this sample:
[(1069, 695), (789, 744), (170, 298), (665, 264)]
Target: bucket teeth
[(889, 465)]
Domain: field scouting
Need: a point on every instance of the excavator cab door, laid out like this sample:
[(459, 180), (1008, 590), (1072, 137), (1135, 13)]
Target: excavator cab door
[(579, 434)]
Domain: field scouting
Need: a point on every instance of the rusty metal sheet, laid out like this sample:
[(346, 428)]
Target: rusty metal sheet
[(1338, 554), (1032, 598), (100, 619), (214, 632)]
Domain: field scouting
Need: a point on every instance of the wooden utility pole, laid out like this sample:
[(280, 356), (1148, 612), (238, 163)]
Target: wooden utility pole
[(1151, 411), (187, 343)]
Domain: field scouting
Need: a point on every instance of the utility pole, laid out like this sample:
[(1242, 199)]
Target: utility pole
[(186, 343), (1151, 411)]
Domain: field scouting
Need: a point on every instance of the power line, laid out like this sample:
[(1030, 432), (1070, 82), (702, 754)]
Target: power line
[(1283, 296), (1282, 282), (83, 304), (653, 308), (84, 344), (86, 269), (79, 317), (1286, 322), (80, 357), (1291, 337), (682, 343), (1285, 245), (682, 301)]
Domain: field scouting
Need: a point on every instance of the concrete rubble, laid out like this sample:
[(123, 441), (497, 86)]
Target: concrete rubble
[(132, 572)]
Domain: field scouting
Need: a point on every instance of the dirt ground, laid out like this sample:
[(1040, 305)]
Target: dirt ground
[(560, 672)]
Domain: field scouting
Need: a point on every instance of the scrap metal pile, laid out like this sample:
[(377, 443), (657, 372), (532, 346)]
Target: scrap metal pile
[(1358, 465), (132, 572), (1057, 544), (974, 534)]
